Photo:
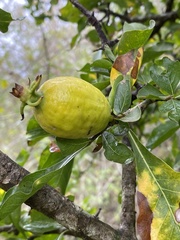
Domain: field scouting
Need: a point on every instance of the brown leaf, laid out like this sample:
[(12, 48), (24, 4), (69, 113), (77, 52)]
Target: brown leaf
[(144, 218), (124, 63)]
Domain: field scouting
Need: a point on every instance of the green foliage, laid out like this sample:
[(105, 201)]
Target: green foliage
[(134, 36), (165, 73), (114, 150), (121, 97), (5, 20), (38, 224), (161, 133), (34, 132), (145, 106)]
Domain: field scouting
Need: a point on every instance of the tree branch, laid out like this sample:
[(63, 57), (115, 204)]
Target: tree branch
[(128, 215), (160, 20), (8, 228), (167, 16), (49, 202), (95, 23)]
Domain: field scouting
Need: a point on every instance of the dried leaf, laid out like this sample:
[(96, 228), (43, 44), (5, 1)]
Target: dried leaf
[(145, 217)]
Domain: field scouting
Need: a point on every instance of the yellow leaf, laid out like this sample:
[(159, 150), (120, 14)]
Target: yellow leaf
[(127, 64), (113, 75), (160, 184)]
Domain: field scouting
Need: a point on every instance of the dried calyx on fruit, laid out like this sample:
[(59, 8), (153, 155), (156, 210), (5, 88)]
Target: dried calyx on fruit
[(28, 95)]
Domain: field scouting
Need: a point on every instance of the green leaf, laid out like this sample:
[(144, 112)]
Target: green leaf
[(101, 82), (93, 36), (61, 179), (114, 150), (144, 77), (165, 73), (150, 92), (74, 40), (108, 53), (102, 63), (34, 132), (101, 85), (159, 183), (86, 68), (15, 218), (157, 50), (122, 97), (5, 20), (69, 146), (22, 157), (30, 184), (38, 223), (120, 129), (161, 133), (89, 4), (134, 36), (172, 107), (132, 114), (101, 66), (113, 90), (70, 13)]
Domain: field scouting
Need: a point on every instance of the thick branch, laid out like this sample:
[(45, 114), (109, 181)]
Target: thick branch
[(49, 202), (128, 216)]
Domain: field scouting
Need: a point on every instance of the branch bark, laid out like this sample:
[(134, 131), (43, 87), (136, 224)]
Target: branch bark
[(49, 202), (128, 216)]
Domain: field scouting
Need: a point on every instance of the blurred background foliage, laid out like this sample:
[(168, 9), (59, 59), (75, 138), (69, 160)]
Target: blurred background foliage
[(52, 38)]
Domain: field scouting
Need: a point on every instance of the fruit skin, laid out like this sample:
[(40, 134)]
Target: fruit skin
[(72, 108)]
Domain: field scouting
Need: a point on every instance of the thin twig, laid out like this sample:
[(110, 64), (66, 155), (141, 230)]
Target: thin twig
[(167, 16), (45, 45), (8, 228)]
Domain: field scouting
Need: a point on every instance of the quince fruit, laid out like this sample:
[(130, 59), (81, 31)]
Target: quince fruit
[(66, 107)]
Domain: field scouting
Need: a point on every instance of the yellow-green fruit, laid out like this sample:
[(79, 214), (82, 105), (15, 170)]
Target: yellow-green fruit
[(72, 108)]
